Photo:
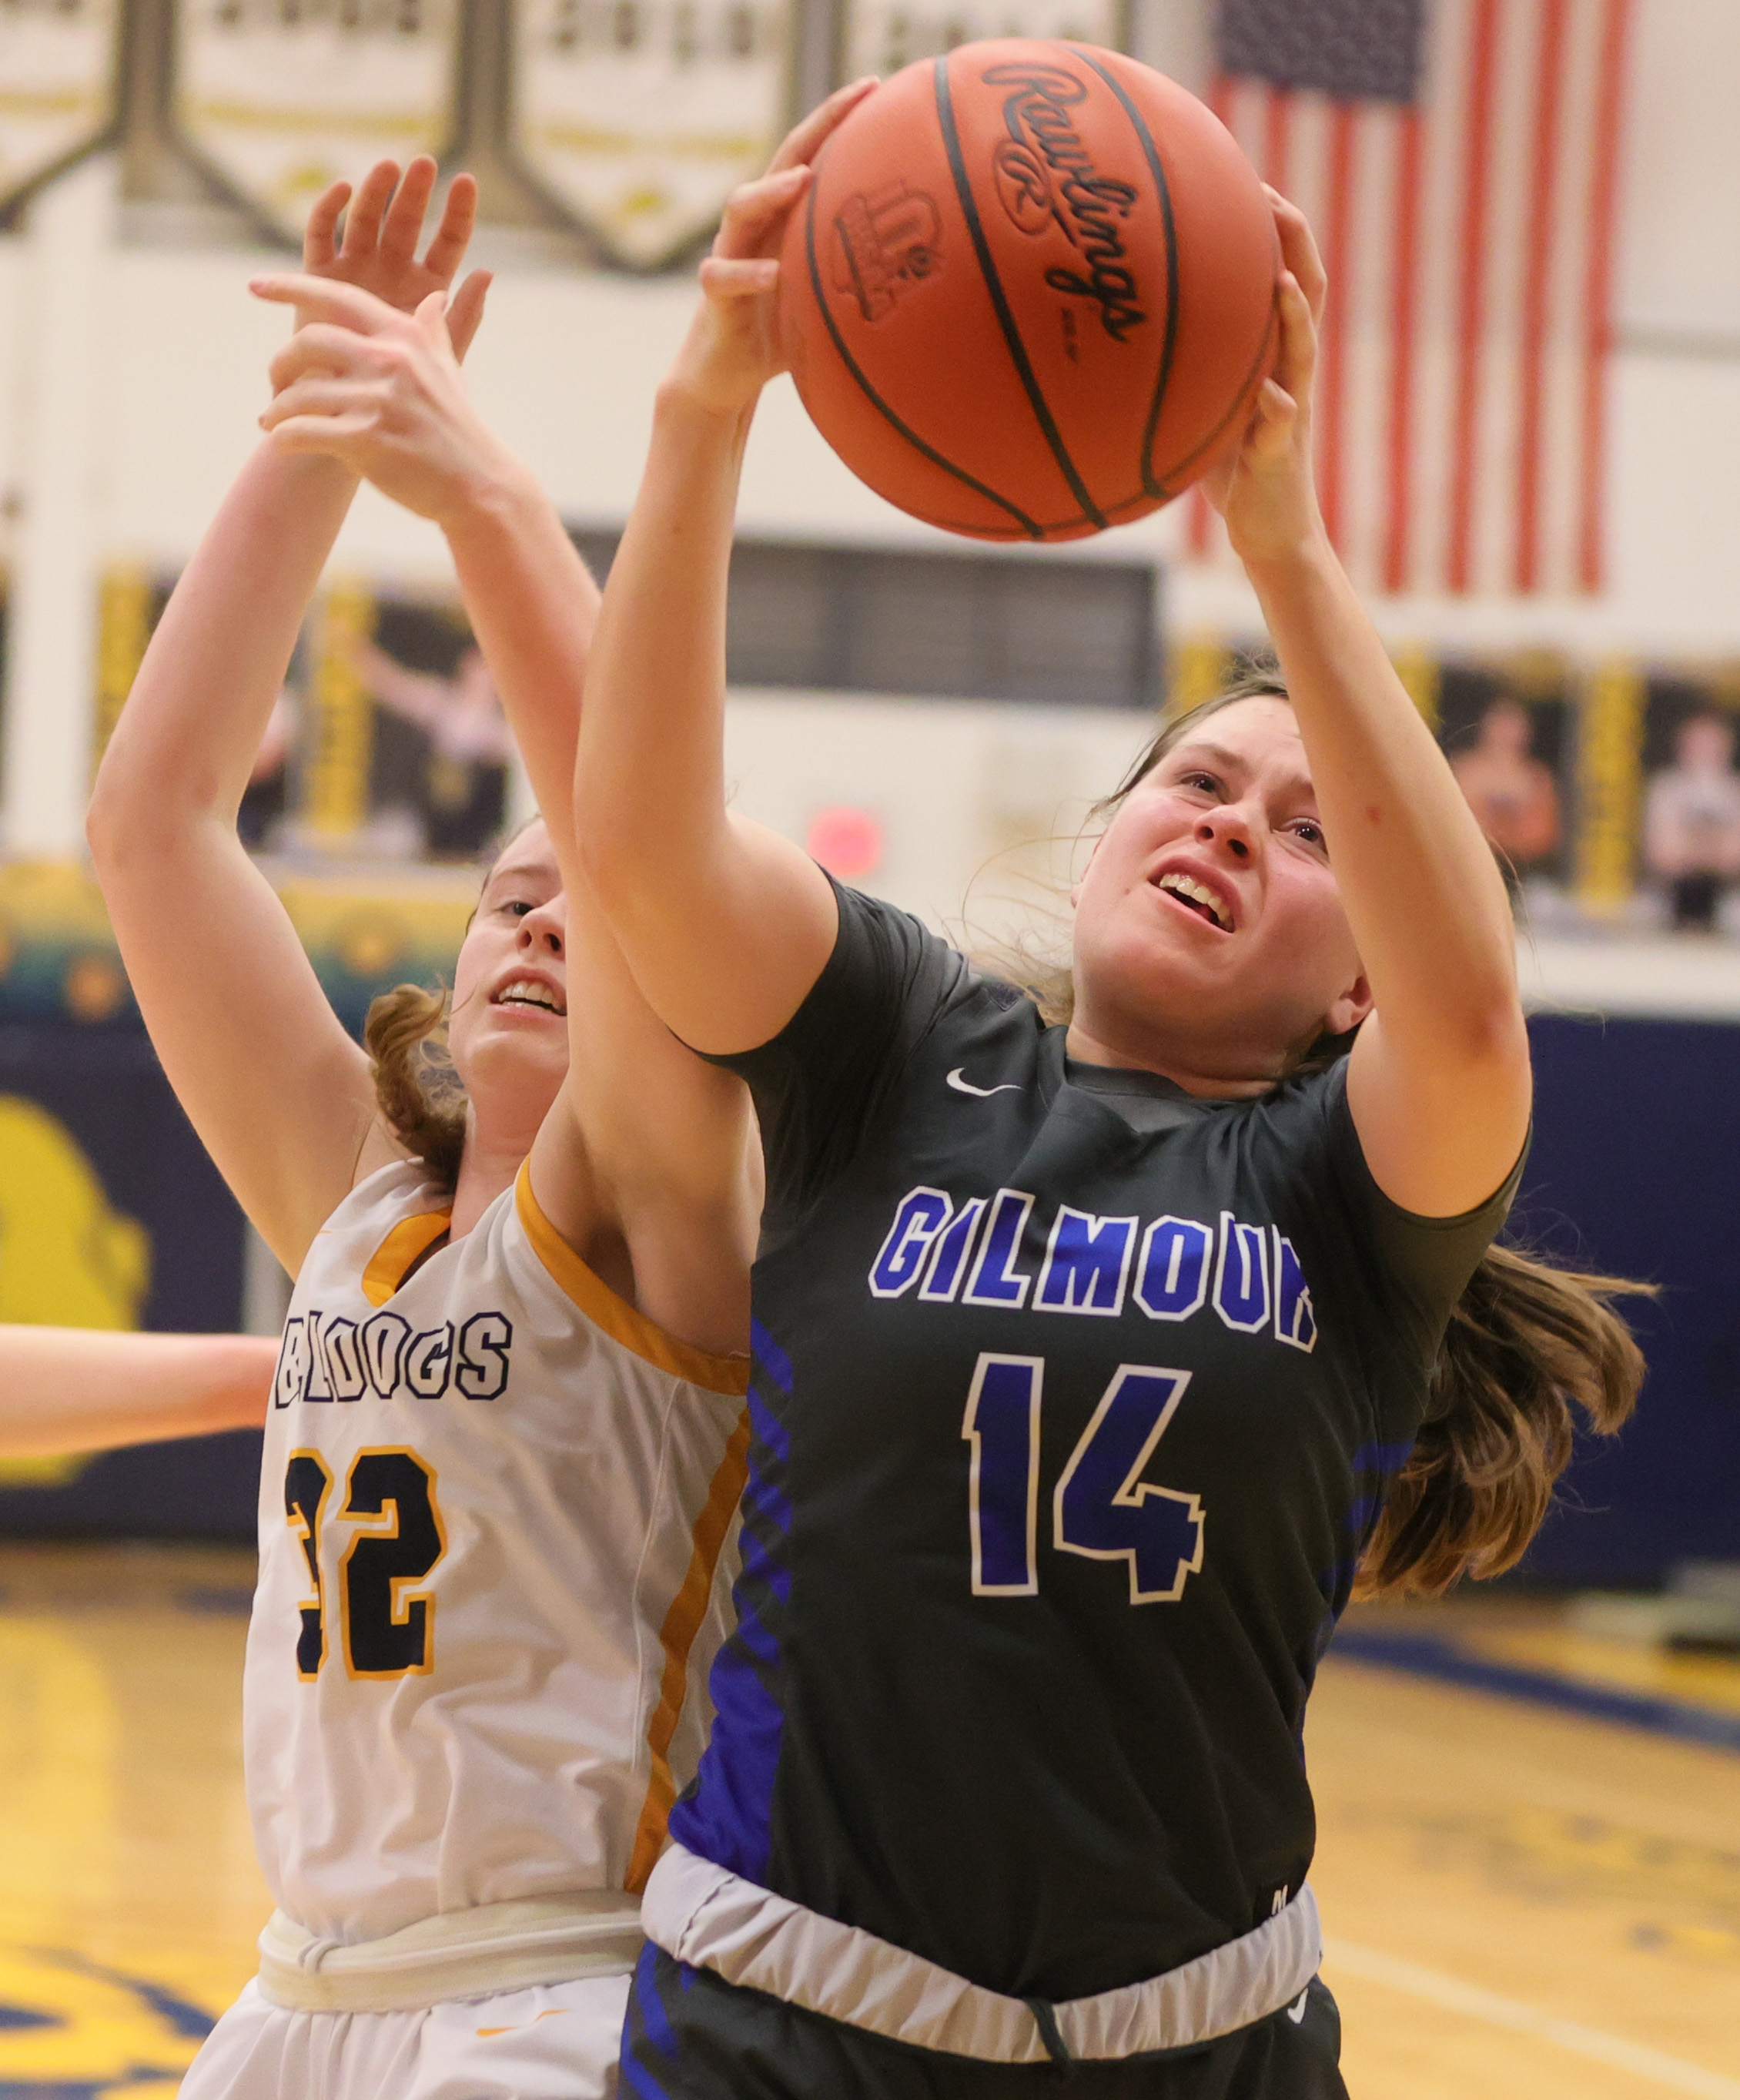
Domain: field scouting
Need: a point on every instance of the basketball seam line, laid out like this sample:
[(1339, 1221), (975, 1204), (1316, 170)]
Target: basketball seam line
[(993, 285), (1028, 525), (1171, 344)]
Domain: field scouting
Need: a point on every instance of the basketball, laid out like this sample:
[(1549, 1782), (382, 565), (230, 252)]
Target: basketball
[(1030, 291)]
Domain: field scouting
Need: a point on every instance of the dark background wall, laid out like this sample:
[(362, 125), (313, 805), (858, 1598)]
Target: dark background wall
[(1635, 1167), (105, 1086)]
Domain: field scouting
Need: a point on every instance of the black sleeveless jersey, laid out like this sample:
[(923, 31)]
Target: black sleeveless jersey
[(1073, 1402)]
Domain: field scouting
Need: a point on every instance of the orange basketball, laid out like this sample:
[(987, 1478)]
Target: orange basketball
[(1030, 291)]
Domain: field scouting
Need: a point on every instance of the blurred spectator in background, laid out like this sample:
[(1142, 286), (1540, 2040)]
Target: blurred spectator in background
[(1513, 796), (1691, 825), (465, 795)]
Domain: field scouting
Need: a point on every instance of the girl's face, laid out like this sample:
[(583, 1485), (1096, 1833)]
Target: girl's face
[(1210, 942), (508, 1036)]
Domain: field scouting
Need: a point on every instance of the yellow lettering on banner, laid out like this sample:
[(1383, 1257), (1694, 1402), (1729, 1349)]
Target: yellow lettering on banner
[(335, 779), (1609, 785), (125, 606)]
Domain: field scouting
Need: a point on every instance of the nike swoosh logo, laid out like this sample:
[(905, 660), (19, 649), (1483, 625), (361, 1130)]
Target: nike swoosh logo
[(1296, 2011), (962, 1086)]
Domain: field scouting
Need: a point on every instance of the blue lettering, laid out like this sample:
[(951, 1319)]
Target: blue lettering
[(1241, 1278), (994, 1281), (1295, 1316), (922, 1214), (948, 1263), (1086, 1264), (1173, 1280)]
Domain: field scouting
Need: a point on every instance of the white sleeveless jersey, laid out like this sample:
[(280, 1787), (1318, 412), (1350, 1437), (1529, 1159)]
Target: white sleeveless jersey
[(497, 1527)]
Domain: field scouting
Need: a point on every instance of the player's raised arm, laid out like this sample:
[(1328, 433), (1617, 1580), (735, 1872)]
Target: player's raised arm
[(1439, 1080), (646, 1145), (726, 926), (279, 1095)]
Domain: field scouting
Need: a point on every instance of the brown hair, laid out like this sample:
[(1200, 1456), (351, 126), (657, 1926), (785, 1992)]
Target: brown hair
[(1528, 1344), (420, 1097)]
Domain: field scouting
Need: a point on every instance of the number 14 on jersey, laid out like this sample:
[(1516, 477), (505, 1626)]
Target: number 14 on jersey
[(1101, 1508)]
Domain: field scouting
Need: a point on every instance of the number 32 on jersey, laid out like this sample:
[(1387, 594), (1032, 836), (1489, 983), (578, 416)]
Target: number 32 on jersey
[(1102, 1508), (396, 1538)]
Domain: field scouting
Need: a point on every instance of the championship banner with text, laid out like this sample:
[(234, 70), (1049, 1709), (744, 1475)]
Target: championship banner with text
[(642, 117), (280, 102), (57, 84), (881, 36)]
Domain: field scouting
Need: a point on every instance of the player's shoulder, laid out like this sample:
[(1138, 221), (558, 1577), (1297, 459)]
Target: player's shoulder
[(393, 1196), (596, 1317)]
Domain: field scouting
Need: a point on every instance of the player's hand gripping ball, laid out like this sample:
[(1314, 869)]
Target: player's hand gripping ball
[(1030, 292)]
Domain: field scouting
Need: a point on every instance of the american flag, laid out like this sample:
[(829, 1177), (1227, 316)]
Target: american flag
[(1459, 161)]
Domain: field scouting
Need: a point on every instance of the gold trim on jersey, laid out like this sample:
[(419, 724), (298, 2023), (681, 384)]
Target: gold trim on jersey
[(390, 1263), (621, 1321), (682, 1622)]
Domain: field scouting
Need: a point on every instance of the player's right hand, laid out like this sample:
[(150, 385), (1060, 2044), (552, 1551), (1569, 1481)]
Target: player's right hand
[(378, 250), (734, 346)]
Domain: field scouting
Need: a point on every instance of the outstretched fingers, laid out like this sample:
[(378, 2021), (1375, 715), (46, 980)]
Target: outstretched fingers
[(322, 434), (402, 224), (315, 394), (1299, 251), (465, 315), (326, 299), (320, 349), (452, 236), (744, 279), (367, 210), (320, 241), (805, 141), (756, 213), (1295, 368)]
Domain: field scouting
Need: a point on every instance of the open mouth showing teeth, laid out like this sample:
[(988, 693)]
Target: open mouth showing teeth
[(527, 994), (1199, 898)]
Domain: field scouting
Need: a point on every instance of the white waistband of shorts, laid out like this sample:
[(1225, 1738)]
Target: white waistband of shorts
[(701, 1913), (460, 1954)]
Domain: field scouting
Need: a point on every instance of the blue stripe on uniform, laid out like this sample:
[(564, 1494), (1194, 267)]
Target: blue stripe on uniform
[(727, 1816)]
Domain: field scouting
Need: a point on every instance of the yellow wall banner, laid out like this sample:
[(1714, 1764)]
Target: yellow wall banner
[(281, 101), (57, 84), (641, 117)]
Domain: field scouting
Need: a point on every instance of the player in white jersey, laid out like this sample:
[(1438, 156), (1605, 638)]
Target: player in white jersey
[(506, 1438)]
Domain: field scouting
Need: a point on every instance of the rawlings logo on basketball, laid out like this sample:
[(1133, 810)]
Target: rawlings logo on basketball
[(1024, 189), (1085, 206), (883, 244)]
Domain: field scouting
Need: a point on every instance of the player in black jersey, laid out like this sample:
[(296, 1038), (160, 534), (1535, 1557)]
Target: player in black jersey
[(1085, 1356)]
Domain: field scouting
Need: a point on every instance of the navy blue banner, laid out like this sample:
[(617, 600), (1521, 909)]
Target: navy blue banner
[(112, 1216), (1634, 1170)]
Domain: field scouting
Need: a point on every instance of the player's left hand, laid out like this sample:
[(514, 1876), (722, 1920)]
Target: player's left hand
[(734, 346), (383, 391), (378, 250), (1266, 491)]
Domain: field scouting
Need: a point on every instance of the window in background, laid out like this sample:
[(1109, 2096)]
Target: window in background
[(985, 627)]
